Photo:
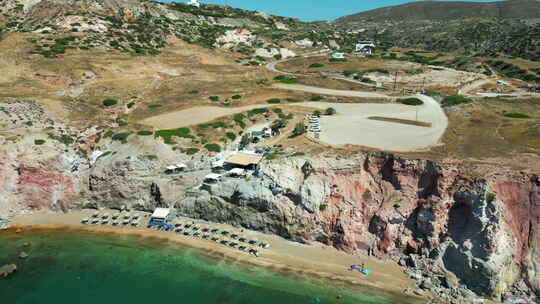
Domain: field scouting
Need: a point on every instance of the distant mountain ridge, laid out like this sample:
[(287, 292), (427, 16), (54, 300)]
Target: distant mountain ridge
[(425, 10)]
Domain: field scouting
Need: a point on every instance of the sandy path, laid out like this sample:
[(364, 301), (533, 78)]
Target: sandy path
[(305, 260), (323, 91), (352, 126), (193, 116)]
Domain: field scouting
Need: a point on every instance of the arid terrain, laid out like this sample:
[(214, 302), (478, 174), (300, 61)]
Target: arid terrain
[(423, 157)]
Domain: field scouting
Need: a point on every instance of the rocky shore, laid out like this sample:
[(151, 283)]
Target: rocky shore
[(465, 234)]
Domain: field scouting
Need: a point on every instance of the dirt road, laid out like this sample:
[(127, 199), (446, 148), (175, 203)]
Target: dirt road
[(323, 91)]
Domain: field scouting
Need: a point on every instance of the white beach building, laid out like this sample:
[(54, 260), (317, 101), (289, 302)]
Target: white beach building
[(365, 46), (160, 214)]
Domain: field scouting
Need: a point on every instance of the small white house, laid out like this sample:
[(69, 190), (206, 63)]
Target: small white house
[(237, 172), (212, 178), (338, 55), (365, 47), (194, 3)]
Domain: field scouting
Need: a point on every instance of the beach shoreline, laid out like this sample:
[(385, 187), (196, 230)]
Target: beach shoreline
[(283, 256)]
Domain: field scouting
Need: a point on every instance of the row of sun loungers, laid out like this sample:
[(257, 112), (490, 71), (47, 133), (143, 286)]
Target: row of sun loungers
[(188, 229)]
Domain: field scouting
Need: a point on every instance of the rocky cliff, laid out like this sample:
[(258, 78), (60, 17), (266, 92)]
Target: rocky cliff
[(477, 232)]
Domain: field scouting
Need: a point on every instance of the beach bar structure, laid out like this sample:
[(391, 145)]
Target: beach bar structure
[(237, 172), (244, 160), (160, 214)]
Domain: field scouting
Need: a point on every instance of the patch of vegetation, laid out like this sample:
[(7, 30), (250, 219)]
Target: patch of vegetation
[(366, 80), (151, 157), (191, 151), (145, 133), (213, 148), (412, 101), (39, 142), (490, 197), (381, 71), (110, 102), (239, 120), (516, 115), (338, 59), (193, 92), (64, 138), (214, 98), (292, 100), (299, 129), (168, 135), (231, 136), (512, 71), (154, 106), (316, 98), (277, 110), (322, 207), (130, 105), (273, 100), (286, 79), (349, 73), (330, 111), (316, 65), (215, 125), (236, 97), (257, 111), (121, 137), (454, 100), (121, 122)]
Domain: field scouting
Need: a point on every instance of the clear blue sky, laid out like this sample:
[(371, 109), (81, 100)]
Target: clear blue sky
[(310, 10)]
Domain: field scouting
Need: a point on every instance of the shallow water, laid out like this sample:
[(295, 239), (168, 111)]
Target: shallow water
[(82, 267)]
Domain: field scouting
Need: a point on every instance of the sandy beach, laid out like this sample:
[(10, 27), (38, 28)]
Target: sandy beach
[(314, 261)]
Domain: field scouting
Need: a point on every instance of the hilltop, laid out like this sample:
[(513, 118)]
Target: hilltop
[(522, 9)]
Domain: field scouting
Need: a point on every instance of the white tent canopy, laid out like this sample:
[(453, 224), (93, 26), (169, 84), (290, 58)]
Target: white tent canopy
[(212, 177), (237, 172), (161, 213)]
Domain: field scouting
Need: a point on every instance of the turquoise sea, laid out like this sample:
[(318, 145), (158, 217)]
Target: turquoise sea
[(82, 267)]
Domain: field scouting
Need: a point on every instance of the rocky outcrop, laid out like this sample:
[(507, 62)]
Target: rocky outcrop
[(7, 270)]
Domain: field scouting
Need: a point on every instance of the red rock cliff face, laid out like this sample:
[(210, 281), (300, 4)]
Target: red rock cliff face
[(390, 206)]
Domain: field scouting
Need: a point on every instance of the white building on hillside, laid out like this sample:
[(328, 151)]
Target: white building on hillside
[(365, 47), (338, 55), (194, 3)]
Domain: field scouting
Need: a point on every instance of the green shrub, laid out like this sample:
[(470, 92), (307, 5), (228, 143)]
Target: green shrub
[(348, 73), (215, 125), (292, 100), (490, 197), (154, 106), (316, 65), (338, 59), (191, 151), (109, 102), (274, 100), (65, 139), (286, 79), (236, 97), (516, 115), (39, 142), (239, 119), (322, 207), (130, 105), (151, 157), (121, 136), (330, 111), (257, 111), (145, 133), (213, 148), (412, 101), (453, 100), (316, 98), (366, 80), (109, 133), (231, 136), (168, 135), (214, 98), (277, 110), (299, 129), (193, 92)]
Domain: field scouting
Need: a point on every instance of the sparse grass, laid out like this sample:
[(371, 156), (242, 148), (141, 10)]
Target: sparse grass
[(155, 106), (316, 98), (286, 79), (193, 92), (273, 100), (168, 135), (516, 115), (454, 100), (316, 65), (236, 97), (39, 142), (121, 137), (145, 133), (292, 100), (191, 151), (214, 98), (215, 125), (257, 111)]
